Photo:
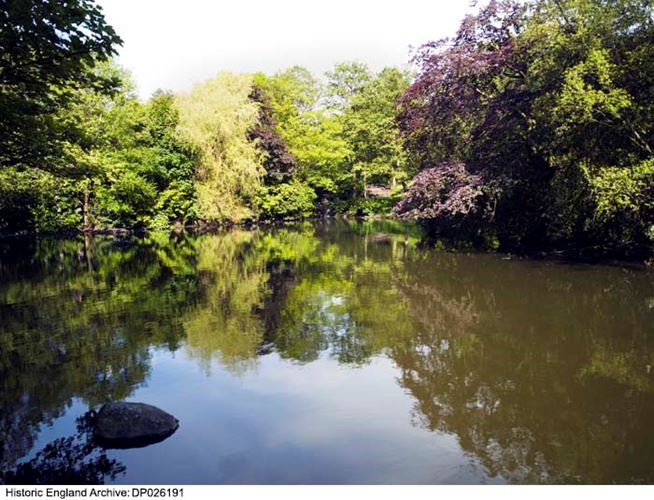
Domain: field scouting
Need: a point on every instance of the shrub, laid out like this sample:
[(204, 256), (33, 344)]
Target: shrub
[(286, 201)]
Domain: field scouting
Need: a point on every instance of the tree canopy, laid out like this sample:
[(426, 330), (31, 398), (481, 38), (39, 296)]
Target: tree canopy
[(530, 128), (549, 100), (47, 49)]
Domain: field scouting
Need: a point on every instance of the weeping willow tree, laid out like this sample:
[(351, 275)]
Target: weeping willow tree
[(216, 117)]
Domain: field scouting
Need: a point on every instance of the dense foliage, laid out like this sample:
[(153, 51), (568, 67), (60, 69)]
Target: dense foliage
[(81, 152), (531, 128), (216, 118), (127, 167), (47, 50), (547, 108), (343, 135)]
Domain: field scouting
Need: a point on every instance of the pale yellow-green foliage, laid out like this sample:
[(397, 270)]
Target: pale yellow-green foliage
[(621, 190), (226, 326), (216, 117), (625, 367), (581, 101)]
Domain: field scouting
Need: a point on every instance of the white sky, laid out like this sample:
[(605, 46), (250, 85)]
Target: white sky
[(172, 44)]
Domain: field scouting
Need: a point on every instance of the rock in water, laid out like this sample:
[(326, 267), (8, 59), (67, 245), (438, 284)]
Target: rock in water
[(132, 425)]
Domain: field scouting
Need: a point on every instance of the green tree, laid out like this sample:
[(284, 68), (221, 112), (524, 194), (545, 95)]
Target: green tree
[(216, 118), (47, 49), (372, 131), (592, 77), (344, 82), (133, 168), (312, 135)]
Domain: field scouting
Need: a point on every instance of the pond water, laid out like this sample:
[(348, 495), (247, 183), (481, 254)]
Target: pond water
[(323, 353)]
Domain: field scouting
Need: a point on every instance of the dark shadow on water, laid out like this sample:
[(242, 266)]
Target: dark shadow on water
[(76, 460)]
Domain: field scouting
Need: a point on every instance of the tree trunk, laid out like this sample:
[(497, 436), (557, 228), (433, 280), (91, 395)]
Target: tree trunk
[(86, 225)]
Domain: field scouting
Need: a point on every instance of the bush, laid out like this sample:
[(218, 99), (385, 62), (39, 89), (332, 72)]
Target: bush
[(34, 200), (623, 199), (294, 200), (128, 201), (177, 202), (373, 206), (449, 195)]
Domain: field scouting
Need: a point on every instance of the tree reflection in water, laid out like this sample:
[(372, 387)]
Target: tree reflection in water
[(74, 459), (541, 373), (539, 369)]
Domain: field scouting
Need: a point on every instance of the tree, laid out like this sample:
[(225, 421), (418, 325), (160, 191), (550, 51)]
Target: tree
[(132, 168), (47, 50), (551, 99), (450, 200), (593, 115), (311, 134), (216, 118), (344, 82), (279, 163), (128, 166), (372, 131), (54, 194)]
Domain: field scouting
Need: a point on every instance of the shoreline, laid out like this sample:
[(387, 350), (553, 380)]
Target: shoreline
[(556, 256)]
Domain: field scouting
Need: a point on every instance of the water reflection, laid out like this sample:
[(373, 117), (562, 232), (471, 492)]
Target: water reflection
[(541, 371), (75, 459)]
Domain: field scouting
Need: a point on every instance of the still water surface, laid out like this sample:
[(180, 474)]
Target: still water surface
[(324, 353)]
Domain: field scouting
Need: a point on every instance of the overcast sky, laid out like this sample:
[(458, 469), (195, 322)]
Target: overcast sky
[(172, 44)]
